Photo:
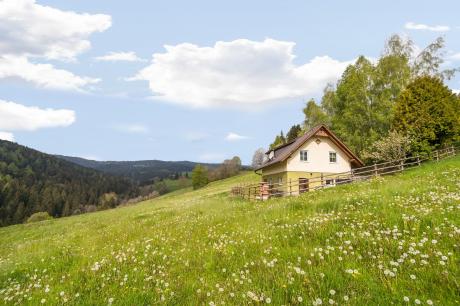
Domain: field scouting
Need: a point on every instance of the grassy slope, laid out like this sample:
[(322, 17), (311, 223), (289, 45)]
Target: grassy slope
[(198, 247)]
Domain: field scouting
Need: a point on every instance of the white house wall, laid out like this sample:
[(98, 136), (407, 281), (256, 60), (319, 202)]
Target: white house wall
[(318, 158)]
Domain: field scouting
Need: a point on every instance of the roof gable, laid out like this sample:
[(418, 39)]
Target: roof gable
[(283, 152)]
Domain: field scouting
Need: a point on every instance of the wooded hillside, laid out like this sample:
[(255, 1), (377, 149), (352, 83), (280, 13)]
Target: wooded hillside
[(31, 181)]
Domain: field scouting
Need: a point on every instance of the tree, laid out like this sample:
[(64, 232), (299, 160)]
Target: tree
[(258, 158), (108, 200), (199, 176), (228, 168), (160, 186), (428, 112), (279, 140), (314, 115), (429, 61), (293, 133), (395, 146)]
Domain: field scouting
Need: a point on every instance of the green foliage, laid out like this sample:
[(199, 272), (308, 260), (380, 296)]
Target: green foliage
[(293, 133), (360, 109), (428, 112), (199, 177), (39, 216), (314, 115), (395, 146), (279, 141), (374, 242), (108, 200), (32, 181)]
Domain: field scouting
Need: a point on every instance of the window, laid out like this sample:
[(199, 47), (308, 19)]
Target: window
[(280, 180), (332, 157), (304, 155), (329, 182)]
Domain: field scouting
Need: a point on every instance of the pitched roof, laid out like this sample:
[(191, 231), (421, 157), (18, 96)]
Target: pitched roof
[(283, 152)]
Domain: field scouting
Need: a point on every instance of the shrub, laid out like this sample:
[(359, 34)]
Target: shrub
[(395, 146), (39, 216)]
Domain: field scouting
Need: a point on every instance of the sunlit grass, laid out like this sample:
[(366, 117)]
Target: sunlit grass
[(380, 242)]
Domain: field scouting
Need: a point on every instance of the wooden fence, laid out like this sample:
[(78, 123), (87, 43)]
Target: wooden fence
[(264, 190)]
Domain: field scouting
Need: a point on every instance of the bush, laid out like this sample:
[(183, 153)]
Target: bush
[(395, 146), (39, 216)]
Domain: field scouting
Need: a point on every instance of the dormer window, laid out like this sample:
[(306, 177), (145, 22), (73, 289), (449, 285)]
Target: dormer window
[(303, 155), (332, 157)]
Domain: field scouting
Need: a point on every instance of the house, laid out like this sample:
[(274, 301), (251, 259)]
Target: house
[(313, 159)]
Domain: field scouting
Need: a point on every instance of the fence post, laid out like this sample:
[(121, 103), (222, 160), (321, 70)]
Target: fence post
[(418, 160), (290, 187), (375, 170), (437, 155), (322, 183)]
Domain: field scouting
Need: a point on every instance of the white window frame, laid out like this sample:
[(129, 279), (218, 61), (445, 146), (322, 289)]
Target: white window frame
[(301, 155), (333, 162)]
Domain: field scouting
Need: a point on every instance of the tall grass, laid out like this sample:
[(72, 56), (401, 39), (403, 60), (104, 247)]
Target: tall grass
[(392, 240)]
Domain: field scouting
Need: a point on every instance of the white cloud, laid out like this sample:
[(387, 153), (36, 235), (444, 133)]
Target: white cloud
[(30, 29), (6, 136), (235, 137), (456, 91), (41, 75), (134, 128), (18, 117), (119, 56), (236, 73), (420, 26)]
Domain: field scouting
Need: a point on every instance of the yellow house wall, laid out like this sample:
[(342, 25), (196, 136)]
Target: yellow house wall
[(274, 169), (318, 158)]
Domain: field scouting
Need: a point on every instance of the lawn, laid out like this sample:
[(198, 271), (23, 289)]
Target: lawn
[(392, 240)]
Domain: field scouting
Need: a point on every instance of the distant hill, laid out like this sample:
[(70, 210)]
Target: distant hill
[(142, 171), (32, 181)]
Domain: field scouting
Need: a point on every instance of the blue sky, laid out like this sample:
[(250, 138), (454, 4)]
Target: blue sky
[(235, 73)]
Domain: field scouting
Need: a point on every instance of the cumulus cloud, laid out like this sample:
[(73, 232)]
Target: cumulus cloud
[(132, 128), (18, 117), (119, 56), (420, 26), (236, 73), (6, 136), (41, 75), (235, 137), (30, 29)]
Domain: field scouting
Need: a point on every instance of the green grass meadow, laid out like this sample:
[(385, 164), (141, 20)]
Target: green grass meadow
[(389, 241)]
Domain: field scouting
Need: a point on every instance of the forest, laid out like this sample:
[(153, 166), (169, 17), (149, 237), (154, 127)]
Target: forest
[(31, 181)]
